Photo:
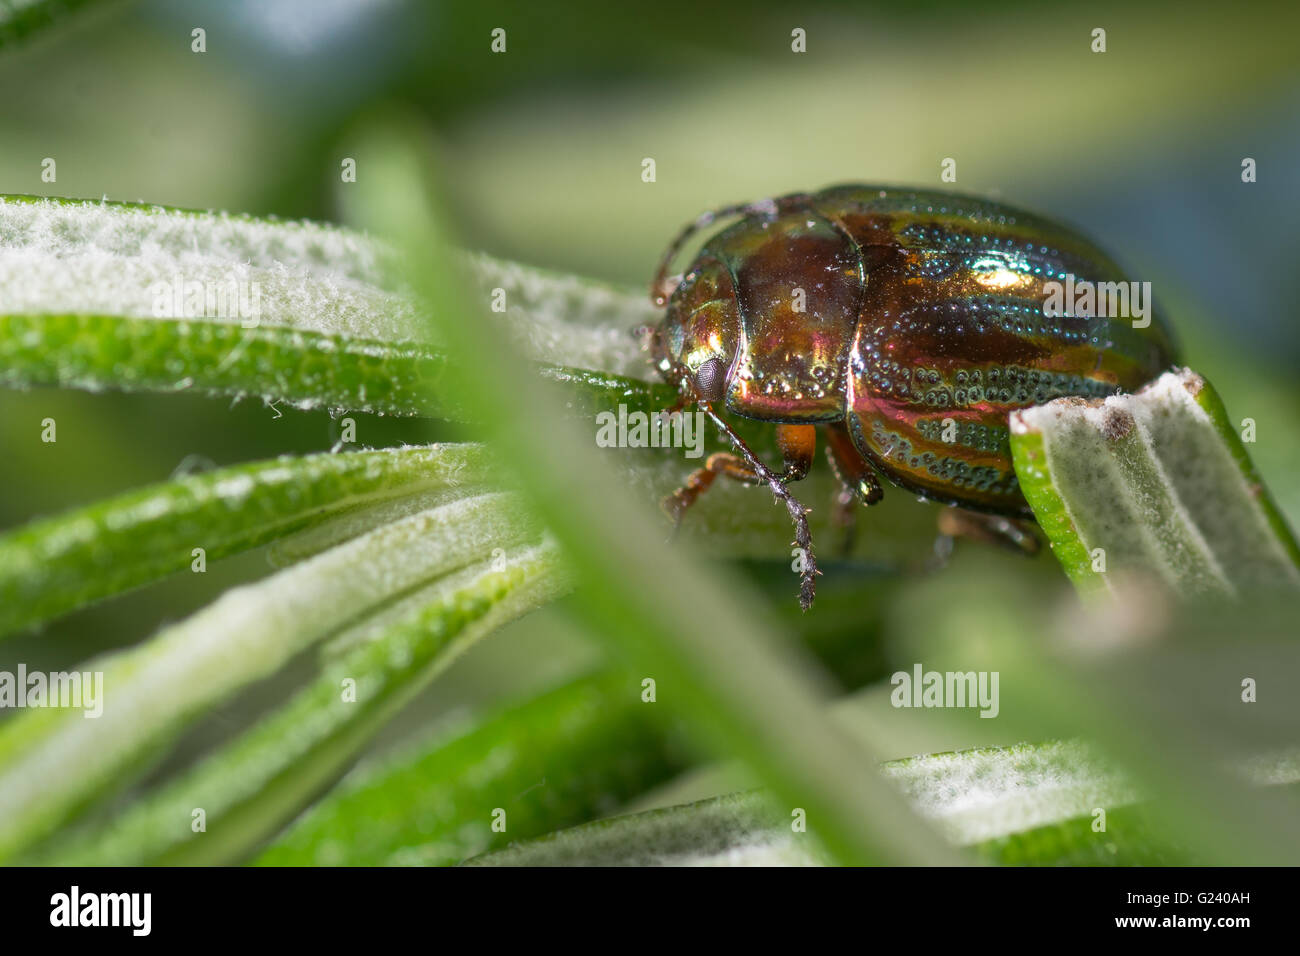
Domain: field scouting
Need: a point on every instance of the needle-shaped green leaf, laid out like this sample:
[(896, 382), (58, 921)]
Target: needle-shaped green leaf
[(247, 790), (568, 755), (102, 295), (1028, 804), (1157, 483), (151, 691), (57, 564)]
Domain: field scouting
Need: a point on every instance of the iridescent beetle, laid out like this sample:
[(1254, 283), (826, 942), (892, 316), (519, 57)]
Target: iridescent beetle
[(908, 324)]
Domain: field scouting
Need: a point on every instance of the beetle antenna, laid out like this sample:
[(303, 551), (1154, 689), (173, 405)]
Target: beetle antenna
[(661, 288), (798, 513)]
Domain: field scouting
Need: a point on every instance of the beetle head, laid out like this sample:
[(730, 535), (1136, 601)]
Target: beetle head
[(696, 343)]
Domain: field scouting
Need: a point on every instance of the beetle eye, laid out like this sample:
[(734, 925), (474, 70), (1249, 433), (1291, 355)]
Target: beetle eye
[(710, 379)]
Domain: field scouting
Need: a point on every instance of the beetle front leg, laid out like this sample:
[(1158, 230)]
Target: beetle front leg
[(798, 443), (701, 480)]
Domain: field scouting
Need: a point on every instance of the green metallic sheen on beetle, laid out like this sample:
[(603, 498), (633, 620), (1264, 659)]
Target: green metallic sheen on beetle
[(892, 314)]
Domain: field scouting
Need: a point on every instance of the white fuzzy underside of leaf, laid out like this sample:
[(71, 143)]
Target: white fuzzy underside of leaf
[(106, 259), (1166, 497)]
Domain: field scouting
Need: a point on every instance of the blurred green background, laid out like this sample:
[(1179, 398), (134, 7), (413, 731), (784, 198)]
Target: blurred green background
[(1141, 147)]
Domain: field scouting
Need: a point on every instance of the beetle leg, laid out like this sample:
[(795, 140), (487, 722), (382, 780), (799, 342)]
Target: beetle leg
[(854, 472), (700, 480), (797, 443), (995, 529), (858, 483)]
